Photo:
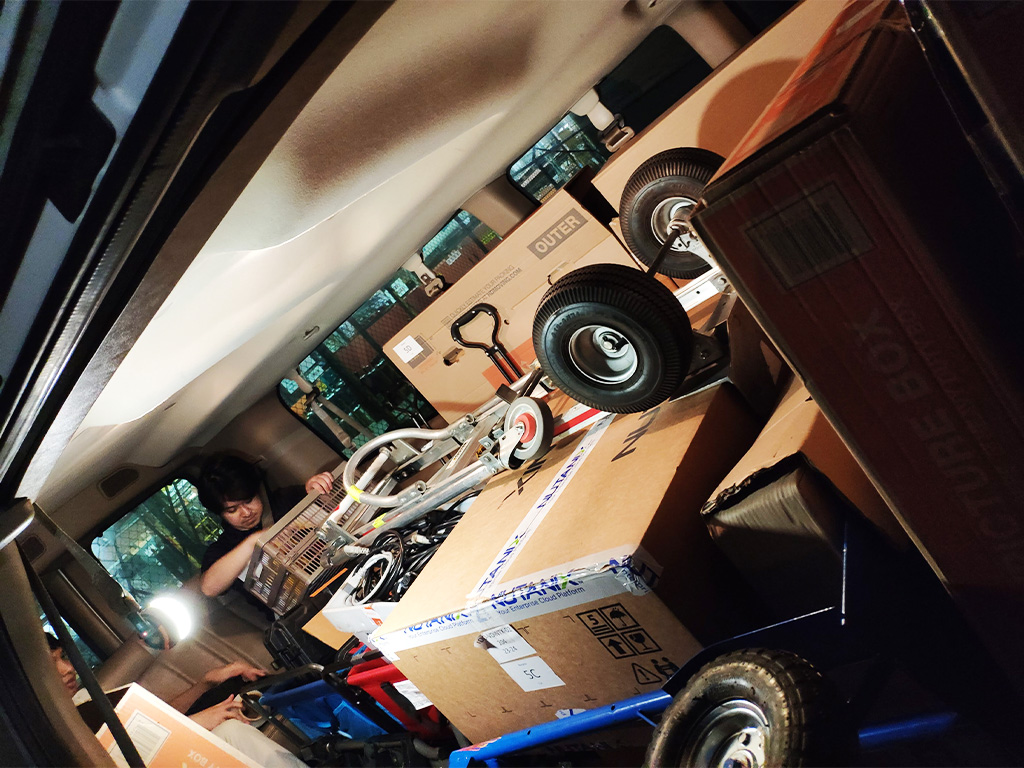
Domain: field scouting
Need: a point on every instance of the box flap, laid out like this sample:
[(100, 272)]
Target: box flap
[(798, 427), (816, 83)]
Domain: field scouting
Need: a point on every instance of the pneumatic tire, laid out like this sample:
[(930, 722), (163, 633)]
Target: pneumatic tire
[(666, 185), (754, 707), (613, 338)]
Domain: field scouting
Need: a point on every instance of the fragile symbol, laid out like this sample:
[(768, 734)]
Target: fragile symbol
[(617, 647), (644, 676), (640, 641), (618, 616), (595, 622)]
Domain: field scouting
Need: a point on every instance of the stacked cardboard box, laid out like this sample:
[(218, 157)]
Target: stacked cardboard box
[(583, 578), (559, 237), (856, 223)]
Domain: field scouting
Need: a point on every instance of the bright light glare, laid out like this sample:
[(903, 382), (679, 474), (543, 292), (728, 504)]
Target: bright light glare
[(174, 612)]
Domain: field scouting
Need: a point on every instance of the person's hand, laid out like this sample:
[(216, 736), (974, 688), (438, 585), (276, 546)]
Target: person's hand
[(229, 709), (235, 669), (321, 483)]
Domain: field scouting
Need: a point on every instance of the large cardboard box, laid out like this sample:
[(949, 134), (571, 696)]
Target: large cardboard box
[(779, 514), (164, 736), (799, 427), (717, 113), (559, 237), (583, 578), (831, 219)]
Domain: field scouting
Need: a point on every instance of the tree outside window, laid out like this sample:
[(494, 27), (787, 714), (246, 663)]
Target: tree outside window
[(350, 367), (159, 544), (557, 157)]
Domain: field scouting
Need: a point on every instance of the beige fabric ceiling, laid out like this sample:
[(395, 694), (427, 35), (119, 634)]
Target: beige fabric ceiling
[(433, 103)]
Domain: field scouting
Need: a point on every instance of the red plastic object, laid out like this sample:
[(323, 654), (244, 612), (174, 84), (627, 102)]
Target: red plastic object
[(375, 677)]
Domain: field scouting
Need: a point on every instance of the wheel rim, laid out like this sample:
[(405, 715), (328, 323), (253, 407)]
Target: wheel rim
[(602, 354), (732, 735), (668, 210), (678, 209)]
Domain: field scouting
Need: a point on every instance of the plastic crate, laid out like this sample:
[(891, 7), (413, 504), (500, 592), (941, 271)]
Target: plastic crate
[(286, 561), (317, 709)]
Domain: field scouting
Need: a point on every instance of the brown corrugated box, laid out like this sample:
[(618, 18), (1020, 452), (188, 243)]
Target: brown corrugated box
[(717, 113), (613, 587), (560, 236), (779, 514), (832, 221), (799, 427)]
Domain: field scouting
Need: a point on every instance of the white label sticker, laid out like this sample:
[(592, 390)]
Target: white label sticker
[(407, 349), (412, 693), (505, 644), (146, 734), (532, 674), (561, 714)]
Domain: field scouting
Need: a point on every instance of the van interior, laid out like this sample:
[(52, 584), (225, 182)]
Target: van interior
[(285, 186)]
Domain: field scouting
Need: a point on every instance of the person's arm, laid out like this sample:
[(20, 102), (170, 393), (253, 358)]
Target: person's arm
[(215, 677), (222, 572)]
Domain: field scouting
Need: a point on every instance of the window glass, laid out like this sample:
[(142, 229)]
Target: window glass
[(349, 368), (90, 656), (654, 76), (560, 154), (159, 544)]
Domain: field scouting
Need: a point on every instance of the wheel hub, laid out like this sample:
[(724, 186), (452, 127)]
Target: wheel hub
[(602, 354), (673, 210), (674, 213), (732, 735)]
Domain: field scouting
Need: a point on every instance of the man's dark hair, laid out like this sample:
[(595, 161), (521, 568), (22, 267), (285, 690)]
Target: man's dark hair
[(225, 478), (52, 641)]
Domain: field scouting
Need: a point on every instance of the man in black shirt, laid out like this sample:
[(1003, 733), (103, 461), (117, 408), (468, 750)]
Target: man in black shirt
[(232, 488)]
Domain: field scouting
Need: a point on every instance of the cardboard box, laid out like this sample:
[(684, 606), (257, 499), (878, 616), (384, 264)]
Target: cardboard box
[(589, 573), (164, 736), (799, 427), (559, 237), (831, 220), (779, 514), (717, 113)]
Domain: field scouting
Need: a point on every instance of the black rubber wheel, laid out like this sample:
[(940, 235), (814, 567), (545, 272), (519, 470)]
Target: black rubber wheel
[(613, 338), (753, 708), (667, 185)]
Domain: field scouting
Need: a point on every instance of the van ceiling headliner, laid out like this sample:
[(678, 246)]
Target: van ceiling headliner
[(432, 103)]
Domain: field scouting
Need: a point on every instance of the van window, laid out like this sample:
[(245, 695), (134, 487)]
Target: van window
[(159, 544), (560, 154), (654, 76), (350, 368), (91, 658)]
